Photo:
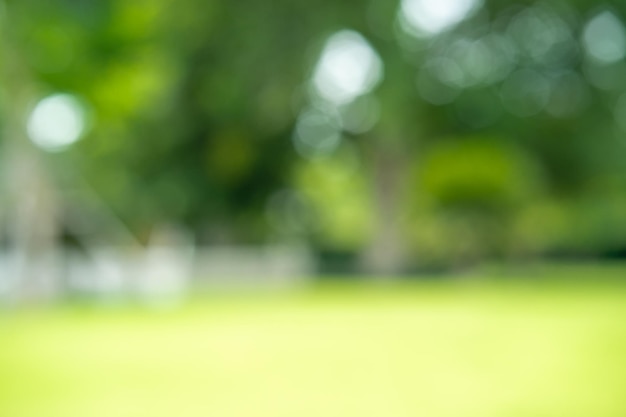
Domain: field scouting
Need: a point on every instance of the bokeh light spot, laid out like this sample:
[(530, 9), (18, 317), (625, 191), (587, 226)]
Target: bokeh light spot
[(349, 67), (361, 115), (604, 38), (56, 122), (317, 133), (431, 17), (543, 36)]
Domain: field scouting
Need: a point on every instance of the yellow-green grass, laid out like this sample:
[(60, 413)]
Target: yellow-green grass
[(452, 349)]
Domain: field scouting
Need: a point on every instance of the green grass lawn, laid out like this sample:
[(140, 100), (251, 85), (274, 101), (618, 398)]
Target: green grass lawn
[(456, 349)]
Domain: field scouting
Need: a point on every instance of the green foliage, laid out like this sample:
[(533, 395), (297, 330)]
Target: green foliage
[(336, 191), (193, 104), (489, 174)]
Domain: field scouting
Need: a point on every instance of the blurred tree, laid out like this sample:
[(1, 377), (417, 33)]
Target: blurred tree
[(207, 114)]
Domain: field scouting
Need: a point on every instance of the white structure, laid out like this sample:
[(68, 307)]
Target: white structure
[(159, 274)]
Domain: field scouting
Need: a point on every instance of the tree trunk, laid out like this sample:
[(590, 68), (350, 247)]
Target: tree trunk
[(386, 255), (30, 197)]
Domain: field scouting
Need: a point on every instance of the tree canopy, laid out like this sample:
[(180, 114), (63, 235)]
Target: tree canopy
[(410, 133)]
